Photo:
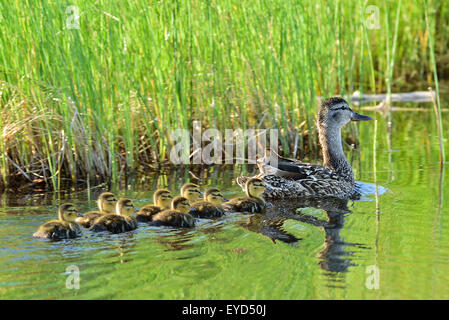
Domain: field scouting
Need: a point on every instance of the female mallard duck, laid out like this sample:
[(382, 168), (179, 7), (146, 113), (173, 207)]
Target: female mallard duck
[(210, 207), (162, 200), (191, 192), (119, 222), (177, 216), (254, 187), (106, 204), (287, 178), (64, 228)]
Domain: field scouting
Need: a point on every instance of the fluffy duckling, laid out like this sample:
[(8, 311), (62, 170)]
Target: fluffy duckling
[(252, 202), (119, 222), (210, 207), (191, 192), (162, 199), (177, 216), (63, 228), (106, 205)]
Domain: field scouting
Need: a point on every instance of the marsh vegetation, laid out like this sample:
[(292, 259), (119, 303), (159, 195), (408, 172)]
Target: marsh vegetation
[(92, 90)]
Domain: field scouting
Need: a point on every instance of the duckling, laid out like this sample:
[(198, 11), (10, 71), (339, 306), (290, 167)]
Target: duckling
[(191, 192), (119, 222), (64, 228), (252, 202), (177, 216), (106, 205), (210, 207), (162, 199)]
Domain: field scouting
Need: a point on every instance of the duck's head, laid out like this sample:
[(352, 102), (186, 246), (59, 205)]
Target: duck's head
[(68, 212), (213, 195), (107, 202), (124, 207), (162, 198), (254, 187), (335, 113), (191, 191), (181, 204)]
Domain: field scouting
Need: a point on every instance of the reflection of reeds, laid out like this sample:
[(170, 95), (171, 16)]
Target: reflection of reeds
[(437, 109), (436, 100), (102, 100), (391, 52)]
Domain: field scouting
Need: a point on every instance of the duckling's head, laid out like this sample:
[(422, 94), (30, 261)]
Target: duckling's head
[(162, 198), (255, 187), (124, 207), (213, 195), (335, 113), (67, 212), (181, 204), (107, 202), (191, 191)]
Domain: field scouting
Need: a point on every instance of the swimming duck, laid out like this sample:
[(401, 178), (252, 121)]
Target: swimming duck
[(177, 216), (63, 228), (286, 178), (162, 200), (119, 222), (254, 187), (106, 204), (210, 207), (191, 192)]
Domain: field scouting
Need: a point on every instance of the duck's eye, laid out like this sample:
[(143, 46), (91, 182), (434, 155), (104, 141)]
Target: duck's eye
[(341, 108)]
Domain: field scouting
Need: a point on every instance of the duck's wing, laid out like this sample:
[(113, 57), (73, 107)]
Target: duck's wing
[(274, 164)]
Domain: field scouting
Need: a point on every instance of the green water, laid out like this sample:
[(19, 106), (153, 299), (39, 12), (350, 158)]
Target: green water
[(402, 233)]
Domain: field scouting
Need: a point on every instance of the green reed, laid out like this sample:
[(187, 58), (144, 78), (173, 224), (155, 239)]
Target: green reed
[(436, 101), (101, 101)]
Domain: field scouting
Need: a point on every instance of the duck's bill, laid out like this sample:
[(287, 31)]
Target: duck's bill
[(359, 117)]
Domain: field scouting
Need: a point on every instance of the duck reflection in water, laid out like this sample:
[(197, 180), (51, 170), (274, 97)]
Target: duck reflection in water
[(176, 239), (333, 256)]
